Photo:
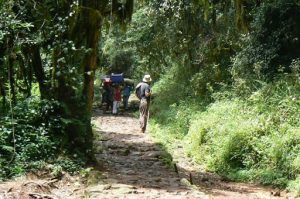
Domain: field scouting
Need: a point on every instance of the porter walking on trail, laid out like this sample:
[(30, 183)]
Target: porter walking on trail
[(117, 99), (143, 92), (126, 93)]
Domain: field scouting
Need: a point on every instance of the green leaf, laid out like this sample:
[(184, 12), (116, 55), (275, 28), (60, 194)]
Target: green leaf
[(8, 148)]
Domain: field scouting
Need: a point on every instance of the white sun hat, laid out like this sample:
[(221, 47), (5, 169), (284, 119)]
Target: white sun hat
[(147, 78)]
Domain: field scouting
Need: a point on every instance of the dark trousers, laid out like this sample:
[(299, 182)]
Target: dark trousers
[(109, 105), (125, 101)]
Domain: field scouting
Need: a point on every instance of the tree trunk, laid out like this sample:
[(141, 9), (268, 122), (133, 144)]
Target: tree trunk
[(24, 75), (2, 80), (89, 65), (84, 31), (39, 71), (3, 93), (28, 63), (92, 32), (12, 79)]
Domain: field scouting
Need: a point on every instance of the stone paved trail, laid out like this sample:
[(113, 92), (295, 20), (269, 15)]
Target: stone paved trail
[(133, 168), (130, 165)]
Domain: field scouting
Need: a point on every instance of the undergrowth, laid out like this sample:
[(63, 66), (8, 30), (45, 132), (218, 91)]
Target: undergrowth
[(251, 138), (32, 138)]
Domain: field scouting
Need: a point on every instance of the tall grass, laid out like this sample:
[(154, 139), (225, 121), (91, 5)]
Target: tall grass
[(254, 138)]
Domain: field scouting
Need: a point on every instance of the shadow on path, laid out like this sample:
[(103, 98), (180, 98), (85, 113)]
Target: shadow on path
[(134, 167)]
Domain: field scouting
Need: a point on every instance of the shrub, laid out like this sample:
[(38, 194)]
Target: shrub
[(31, 133), (259, 136)]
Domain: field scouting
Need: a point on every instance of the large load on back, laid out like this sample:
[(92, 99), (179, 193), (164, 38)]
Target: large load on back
[(128, 81), (117, 78)]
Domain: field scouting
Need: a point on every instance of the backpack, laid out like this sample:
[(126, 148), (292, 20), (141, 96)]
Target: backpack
[(138, 92)]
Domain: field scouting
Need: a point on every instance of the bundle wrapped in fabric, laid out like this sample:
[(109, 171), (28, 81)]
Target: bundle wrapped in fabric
[(128, 81), (117, 78), (107, 80), (105, 77)]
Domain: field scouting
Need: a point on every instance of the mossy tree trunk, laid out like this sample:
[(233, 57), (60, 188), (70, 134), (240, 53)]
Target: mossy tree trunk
[(87, 33), (92, 32), (89, 66), (84, 31)]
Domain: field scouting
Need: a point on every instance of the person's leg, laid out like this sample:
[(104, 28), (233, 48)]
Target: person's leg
[(124, 101), (118, 106), (147, 115), (127, 99), (104, 98), (114, 111), (107, 105), (143, 115), (111, 104)]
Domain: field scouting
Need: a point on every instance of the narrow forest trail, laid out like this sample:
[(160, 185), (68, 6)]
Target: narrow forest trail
[(133, 168), (130, 165)]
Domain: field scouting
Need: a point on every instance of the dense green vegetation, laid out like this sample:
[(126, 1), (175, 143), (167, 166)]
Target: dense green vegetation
[(227, 82), (48, 58), (226, 79)]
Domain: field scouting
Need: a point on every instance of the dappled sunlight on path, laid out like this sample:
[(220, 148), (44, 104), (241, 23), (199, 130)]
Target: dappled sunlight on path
[(132, 163), (132, 167)]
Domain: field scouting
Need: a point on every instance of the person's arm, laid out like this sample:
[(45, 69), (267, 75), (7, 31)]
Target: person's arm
[(148, 92)]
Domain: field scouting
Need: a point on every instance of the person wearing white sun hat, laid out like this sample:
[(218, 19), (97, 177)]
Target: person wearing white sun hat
[(144, 90)]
